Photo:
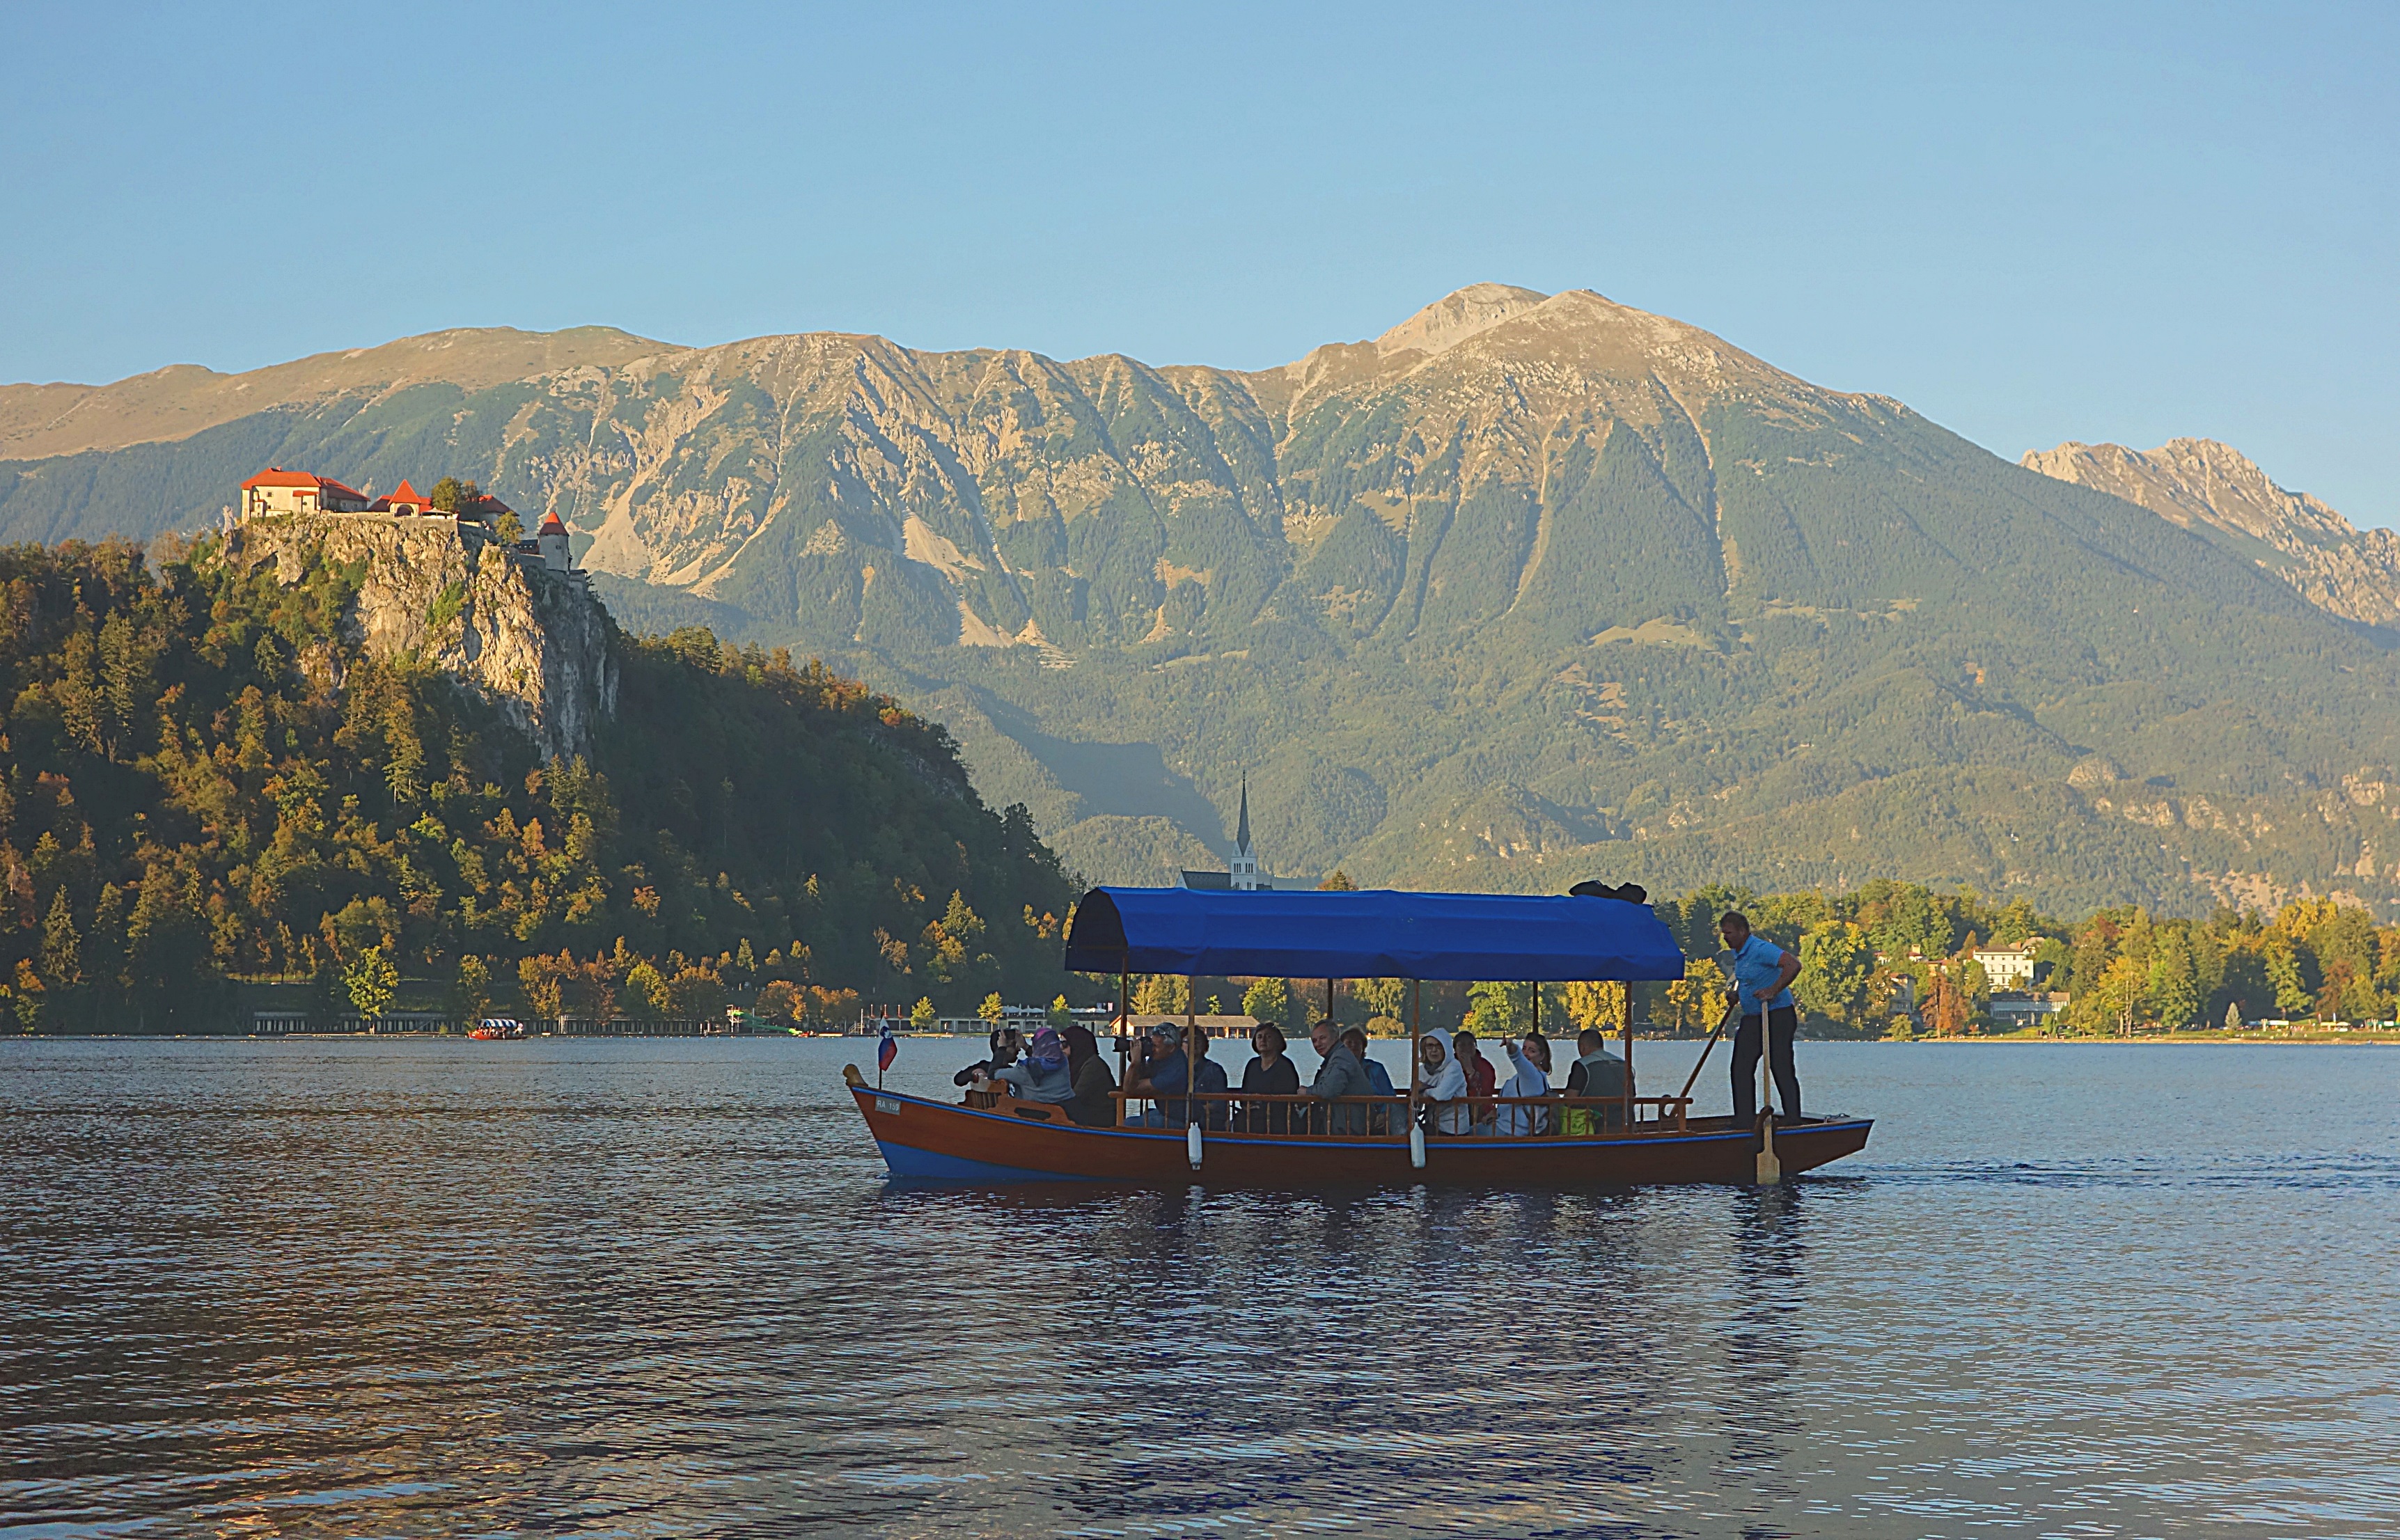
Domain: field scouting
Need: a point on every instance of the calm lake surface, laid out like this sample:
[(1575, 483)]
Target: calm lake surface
[(661, 1288)]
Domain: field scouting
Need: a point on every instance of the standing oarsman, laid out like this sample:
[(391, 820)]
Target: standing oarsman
[(1763, 973)]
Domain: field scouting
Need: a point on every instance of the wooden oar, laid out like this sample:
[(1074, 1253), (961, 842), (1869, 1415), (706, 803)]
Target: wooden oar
[(1770, 1170), (1733, 1008)]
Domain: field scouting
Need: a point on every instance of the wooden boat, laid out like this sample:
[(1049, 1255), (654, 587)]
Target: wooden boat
[(1290, 1141)]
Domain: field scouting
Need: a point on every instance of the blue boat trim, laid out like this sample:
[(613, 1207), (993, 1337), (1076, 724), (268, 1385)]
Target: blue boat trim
[(906, 1161), (966, 1168)]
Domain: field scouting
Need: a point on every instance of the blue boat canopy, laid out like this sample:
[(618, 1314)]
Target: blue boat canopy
[(1377, 934)]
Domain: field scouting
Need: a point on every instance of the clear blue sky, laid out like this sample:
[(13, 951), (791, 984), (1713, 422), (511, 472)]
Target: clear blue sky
[(2089, 221)]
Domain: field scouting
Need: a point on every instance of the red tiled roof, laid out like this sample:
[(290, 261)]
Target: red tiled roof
[(404, 493), (275, 475), (552, 526), (300, 480)]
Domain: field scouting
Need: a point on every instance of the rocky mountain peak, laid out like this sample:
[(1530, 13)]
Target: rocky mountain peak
[(2219, 491), (1458, 316)]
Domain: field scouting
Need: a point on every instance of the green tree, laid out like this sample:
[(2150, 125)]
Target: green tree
[(922, 1018), (1060, 1015), (2174, 983), (1500, 1009), (1600, 1005), (780, 1003), (371, 982), (994, 1010), (2293, 999), (1699, 999), (1267, 1000), (61, 945), (1163, 995), (1339, 884), (544, 991), (1382, 997), (645, 994), (1837, 963), (470, 995), (2125, 989)]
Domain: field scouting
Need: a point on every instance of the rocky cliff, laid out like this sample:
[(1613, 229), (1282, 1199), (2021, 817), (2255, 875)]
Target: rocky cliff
[(2212, 488), (533, 643)]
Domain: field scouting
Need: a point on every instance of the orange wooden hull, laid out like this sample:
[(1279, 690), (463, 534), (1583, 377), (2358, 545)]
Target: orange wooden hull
[(944, 1142)]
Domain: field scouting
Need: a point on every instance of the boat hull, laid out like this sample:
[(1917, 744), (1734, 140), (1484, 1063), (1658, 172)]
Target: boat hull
[(941, 1141)]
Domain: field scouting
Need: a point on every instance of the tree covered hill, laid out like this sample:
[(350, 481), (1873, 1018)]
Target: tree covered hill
[(209, 779), (1527, 589)]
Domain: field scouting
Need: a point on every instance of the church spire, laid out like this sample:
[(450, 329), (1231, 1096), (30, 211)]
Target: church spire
[(1242, 835)]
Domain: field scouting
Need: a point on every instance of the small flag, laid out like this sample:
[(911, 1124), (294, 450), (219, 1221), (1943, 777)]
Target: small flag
[(887, 1050)]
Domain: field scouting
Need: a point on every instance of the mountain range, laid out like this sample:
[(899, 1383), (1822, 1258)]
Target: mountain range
[(1527, 589)]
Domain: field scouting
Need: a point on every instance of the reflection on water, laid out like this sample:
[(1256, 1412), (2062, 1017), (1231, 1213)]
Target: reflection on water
[(663, 1287)]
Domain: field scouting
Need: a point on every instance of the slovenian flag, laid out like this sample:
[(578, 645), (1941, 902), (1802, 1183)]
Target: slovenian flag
[(887, 1050)]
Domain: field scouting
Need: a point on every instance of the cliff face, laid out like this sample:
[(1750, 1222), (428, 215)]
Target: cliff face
[(533, 643), (2215, 488)]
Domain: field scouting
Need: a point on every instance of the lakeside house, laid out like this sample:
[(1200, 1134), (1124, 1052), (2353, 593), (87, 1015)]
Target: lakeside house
[(2008, 967), (2014, 1010)]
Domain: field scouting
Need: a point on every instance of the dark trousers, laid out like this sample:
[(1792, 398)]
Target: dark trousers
[(1781, 1023)]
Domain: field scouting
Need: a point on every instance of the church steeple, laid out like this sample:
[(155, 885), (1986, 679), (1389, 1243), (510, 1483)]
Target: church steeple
[(1242, 835)]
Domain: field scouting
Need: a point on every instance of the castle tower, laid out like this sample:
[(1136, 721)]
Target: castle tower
[(556, 552)]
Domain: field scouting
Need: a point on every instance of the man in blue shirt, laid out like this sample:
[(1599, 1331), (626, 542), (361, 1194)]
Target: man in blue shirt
[(1763, 973)]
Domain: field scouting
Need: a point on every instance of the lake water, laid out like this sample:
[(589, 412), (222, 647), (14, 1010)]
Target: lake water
[(661, 1288)]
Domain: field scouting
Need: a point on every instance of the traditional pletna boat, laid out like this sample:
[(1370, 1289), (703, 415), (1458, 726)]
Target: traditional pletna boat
[(1628, 1140)]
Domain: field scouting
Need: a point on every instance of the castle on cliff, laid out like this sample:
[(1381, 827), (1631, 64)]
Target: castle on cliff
[(276, 491)]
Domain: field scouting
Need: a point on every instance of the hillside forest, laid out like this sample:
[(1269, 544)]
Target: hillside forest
[(1895, 960), (210, 782)]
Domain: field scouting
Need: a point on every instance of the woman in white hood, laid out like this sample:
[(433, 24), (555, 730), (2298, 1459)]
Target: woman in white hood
[(1531, 1079), (1444, 1087)]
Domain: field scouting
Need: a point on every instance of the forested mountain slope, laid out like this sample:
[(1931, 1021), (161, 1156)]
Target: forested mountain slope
[(1529, 588), (206, 776)]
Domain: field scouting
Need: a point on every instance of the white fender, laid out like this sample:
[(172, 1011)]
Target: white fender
[(1192, 1144), (1416, 1145)]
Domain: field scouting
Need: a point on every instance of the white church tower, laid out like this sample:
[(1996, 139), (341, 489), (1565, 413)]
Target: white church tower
[(1245, 874)]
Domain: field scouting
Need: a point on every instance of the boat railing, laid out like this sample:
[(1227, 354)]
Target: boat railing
[(1307, 1117)]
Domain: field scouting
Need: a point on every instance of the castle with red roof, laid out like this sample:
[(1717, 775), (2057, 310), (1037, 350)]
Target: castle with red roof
[(276, 491)]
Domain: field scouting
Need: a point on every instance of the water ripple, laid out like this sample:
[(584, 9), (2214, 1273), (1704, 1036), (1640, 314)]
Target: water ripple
[(664, 1288)]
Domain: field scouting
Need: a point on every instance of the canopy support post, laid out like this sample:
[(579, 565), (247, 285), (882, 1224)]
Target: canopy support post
[(1123, 1035), (1628, 1060)]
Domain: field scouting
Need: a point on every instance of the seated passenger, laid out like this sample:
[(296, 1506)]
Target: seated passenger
[(1597, 1073), (1341, 1074), (1041, 1075), (1160, 1074), (1445, 1109), (1218, 1114), (1006, 1043), (1531, 1079), (1089, 1071), (1379, 1080), (1481, 1079), (1268, 1073)]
